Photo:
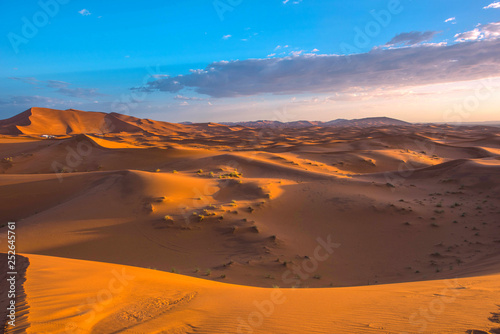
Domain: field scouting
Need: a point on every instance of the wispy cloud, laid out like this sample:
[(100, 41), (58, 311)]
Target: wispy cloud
[(35, 100), (412, 38), (61, 87), (57, 84), (188, 98), (227, 36), (83, 93), (392, 68), (28, 80), (493, 5), (453, 20), (84, 12)]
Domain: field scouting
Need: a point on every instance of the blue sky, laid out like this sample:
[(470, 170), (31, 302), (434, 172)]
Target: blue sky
[(228, 60)]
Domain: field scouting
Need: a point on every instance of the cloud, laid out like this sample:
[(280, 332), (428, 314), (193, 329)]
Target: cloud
[(412, 38), (61, 86), (83, 93), (483, 31), (296, 2), (314, 50), (28, 80), (493, 5), (187, 98), (84, 12), (226, 36), (392, 68), (468, 36), (452, 20), (57, 84), (30, 101)]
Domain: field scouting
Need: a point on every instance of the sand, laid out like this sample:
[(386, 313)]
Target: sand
[(357, 229)]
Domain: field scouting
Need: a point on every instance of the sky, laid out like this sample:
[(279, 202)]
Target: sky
[(242, 60)]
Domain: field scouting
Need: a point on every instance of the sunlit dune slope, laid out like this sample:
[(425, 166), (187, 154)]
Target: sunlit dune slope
[(103, 298)]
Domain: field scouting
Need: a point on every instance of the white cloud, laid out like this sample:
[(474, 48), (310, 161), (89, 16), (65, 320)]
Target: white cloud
[(493, 5), (468, 36), (226, 36), (84, 12), (314, 50), (483, 31), (453, 20)]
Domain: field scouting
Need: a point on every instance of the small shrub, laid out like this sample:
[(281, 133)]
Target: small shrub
[(208, 272)]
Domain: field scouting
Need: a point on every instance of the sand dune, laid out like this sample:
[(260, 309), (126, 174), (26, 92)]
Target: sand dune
[(241, 209), (94, 297)]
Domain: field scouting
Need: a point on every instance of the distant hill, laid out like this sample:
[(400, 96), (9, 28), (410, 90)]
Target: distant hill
[(363, 122), (45, 121), (367, 122)]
